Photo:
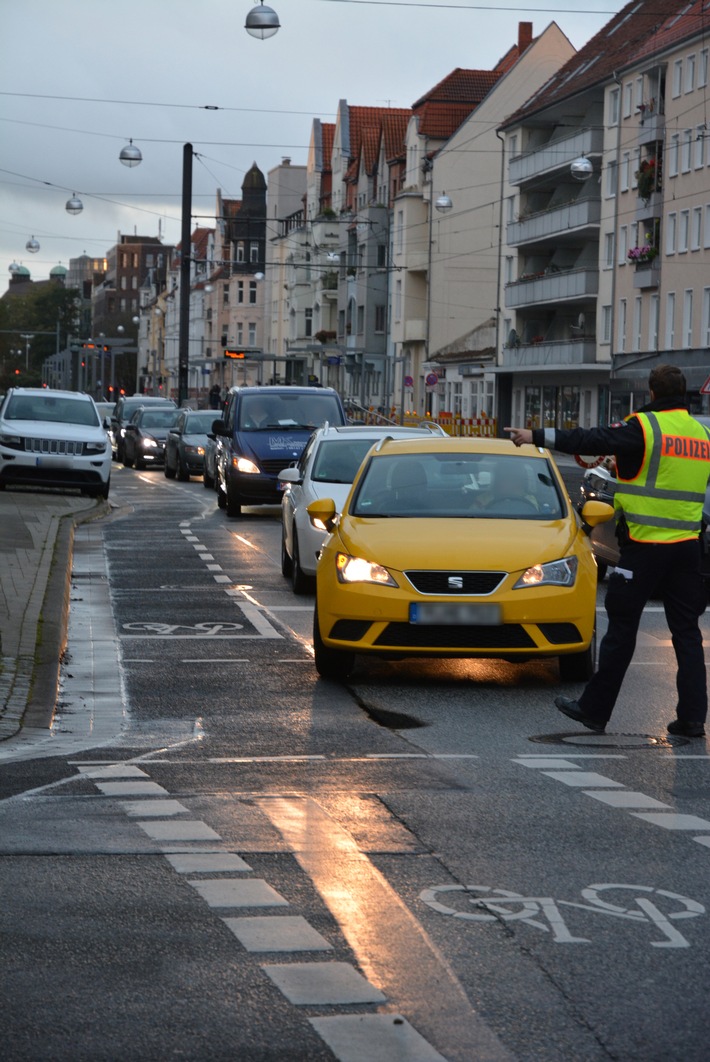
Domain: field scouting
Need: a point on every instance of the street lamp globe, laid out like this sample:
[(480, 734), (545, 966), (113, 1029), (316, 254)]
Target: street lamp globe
[(444, 203), (32, 245), (120, 329), (74, 205), (136, 319), (14, 267), (130, 155), (262, 22), (581, 169)]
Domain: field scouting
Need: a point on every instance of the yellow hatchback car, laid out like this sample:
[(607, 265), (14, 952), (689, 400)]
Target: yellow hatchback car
[(456, 548)]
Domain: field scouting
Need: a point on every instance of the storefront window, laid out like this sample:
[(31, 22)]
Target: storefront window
[(549, 398), (569, 407), (532, 407)]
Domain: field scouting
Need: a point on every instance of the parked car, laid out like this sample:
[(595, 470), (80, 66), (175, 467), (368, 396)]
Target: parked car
[(185, 443), (456, 547), (326, 468), (125, 408), (599, 484), (53, 439), (145, 435), (264, 429)]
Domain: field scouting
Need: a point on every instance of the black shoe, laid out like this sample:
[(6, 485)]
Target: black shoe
[(677, 726), (572, 710)]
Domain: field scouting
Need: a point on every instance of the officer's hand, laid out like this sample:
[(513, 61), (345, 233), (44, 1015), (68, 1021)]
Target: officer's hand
[(520, 436)]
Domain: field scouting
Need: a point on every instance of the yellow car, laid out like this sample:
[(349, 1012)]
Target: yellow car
[(456, 548)]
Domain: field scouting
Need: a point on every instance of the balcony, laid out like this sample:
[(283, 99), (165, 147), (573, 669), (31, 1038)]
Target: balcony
[(647, 275), (652, 128), (417, 261), (650, 208), (551, 223), (561, 352), (552, 287), (555, 155), (414, 330)]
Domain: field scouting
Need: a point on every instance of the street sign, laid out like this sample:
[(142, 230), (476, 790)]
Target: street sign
[(705, 389), (432, 379), (409, 381)]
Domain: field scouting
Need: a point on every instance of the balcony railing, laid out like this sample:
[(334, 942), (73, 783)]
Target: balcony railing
[(552, 287), (555, 155), (647, 274), (549, 223), (580, 351), (651, 207)]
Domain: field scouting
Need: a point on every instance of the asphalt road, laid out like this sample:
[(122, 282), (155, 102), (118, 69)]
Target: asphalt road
[(261, 865)]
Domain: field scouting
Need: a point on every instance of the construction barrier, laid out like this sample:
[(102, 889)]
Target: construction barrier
[(458, 427)]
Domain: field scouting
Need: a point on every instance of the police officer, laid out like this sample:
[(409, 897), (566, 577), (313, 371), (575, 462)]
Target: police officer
[(663, 460)]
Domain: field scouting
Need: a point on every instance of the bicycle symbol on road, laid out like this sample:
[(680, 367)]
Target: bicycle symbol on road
[(196, 630), (543, 912)]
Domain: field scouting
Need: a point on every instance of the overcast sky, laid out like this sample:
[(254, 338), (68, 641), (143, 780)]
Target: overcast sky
[(159, 62)]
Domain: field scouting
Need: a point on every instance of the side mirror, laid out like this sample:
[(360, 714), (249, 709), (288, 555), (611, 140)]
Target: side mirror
[(594, 513), (322, 513), (290, 475), (218, 427), (107, 424), (211, 435)]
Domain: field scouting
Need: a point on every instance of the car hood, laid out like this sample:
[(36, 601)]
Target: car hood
[(46, 429), (160, 434), (466, 544), (337, 491), (273, 445)]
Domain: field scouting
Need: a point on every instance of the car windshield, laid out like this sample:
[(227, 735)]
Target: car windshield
[(158, 418), (199, 423), (288, 411), (337, 460), (480, 485), (52, 409)]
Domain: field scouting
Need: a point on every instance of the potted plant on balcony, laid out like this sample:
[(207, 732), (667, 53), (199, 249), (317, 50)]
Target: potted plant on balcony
[(643, 255), (647, 178)]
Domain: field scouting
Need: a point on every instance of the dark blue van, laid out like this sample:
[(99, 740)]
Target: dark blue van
[(262, 432)]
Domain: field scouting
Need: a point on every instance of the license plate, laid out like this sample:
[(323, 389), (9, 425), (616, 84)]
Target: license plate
[(53, 462), (455, 613)]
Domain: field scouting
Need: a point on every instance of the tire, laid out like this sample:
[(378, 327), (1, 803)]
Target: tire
[(104, 491), (579, 667), (127, 461), (207, 481), (233, 503), (182, 472), (221, 499), (286, 562), (300, 582), (336, 664), (138, 464), (169, 472)]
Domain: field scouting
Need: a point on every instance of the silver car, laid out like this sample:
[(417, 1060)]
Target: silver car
[(325, 469)]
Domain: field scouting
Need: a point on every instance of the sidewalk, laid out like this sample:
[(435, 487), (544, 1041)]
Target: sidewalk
[(36, 538)]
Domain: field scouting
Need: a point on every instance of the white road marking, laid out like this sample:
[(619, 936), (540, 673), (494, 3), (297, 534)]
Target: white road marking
[(222, 579), (703, 840), (271, 933), (548, 761), (125, 789), (192, 538), (625, 798), (256, 617), (157, 808), (376, 1037), (194, 830), (215, 660), (577, 756), (263, 759), (290, 608), (323, 984), (206, 556), (584, 778), (249, 892), (673, 821), (207, 862), (112, 770)]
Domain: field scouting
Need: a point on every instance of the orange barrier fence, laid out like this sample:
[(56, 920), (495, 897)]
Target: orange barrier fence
[(460, 427)]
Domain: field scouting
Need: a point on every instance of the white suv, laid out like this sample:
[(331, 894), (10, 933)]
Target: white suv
[(53, 439)]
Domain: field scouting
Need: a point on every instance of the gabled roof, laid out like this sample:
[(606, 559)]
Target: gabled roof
[(445, 107), (641, 29), (393, 132), (328, 135)]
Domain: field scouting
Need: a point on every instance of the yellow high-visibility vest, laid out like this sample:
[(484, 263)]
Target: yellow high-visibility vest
[(664, 501)]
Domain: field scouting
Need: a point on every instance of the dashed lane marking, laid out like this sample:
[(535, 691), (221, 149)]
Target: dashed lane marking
[(246, 892), (283, 934), (154, 808), (207, 862), (673, 820), (584, 778), (322, 984), (194, 830), (624, 798), (376, 1037), (123, 789)]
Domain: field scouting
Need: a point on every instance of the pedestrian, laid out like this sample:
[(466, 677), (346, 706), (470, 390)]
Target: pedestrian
[(215, 396), (663, 460)]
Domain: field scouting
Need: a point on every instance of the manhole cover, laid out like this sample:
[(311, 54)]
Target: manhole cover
[(612, 741)]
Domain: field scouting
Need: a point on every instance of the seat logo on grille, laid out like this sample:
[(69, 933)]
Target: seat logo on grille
[(455, 582)]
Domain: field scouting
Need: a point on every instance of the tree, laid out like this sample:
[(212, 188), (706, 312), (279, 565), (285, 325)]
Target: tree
[(48, 311)]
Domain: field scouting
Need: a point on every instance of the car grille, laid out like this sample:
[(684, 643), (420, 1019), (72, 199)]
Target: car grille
[(437, 582), (559, 633), (272, 468), (440, 636), (60, 447)]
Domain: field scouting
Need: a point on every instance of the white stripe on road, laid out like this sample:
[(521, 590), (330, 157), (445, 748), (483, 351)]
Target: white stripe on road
[(323, 984), (375, 1037), (247, 892), (673, 821), (584, 778), (626, 798), (207, 862), (262, 933)]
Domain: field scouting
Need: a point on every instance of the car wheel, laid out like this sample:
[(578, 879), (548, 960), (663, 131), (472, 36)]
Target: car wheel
[(579, 667), (221, 499), (182, 472), (103, 492), (286, 562), (334, 664), (601, 570), (233, 503), (207, 480), (168, 470), (300, 582), (138, 464), (127, 461)]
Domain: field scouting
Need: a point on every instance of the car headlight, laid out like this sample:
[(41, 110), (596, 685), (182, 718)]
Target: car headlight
[(195, 450), (243, 464), (357, 570), (554, 573), (13, 442), (95, 447), (148, 443)]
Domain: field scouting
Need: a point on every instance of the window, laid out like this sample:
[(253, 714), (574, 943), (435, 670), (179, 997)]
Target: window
[(705, 334), (149, 260), (686, 150), (707, 226), (653, 316), (399, 232), (696, 229), (611, 178), (513, 145), (606, 324), (122, 305), (609, 250), (699, 146), (703, 69), (638, 307), (614, 102), (135, 261), (253, 251), (124, 260), (690, 73), (398, 300), (252, 293), (360, 320), (252, 333), (624, 172), (623, 244), (225, 295), (670, 320), (677, 77), (240, 251), (134, 282), (381, 255), (688, 318), (628, 99), (240, 333), (638, 95), (621, 333), (671, 225), (341, 323), (509, 269), (683, 231), (673, 155), (240, 292), (308, 323), (380, 318)]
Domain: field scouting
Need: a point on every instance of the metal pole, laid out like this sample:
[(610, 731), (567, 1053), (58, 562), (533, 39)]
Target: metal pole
[(184, 320)]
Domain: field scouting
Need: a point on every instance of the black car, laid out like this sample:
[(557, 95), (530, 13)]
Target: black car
[(599, 484), (125, 408), (145, 435), (185, 443)]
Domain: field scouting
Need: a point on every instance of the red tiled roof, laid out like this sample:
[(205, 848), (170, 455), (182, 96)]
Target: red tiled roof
[(328, 137), (445, 107), (641, 29), (231, 207), (394, 131)]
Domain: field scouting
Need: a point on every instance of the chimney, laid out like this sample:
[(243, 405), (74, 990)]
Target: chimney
[(525, 36), (285, 160)]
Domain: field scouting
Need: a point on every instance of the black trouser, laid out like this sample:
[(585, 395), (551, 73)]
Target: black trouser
[(671, 571)]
